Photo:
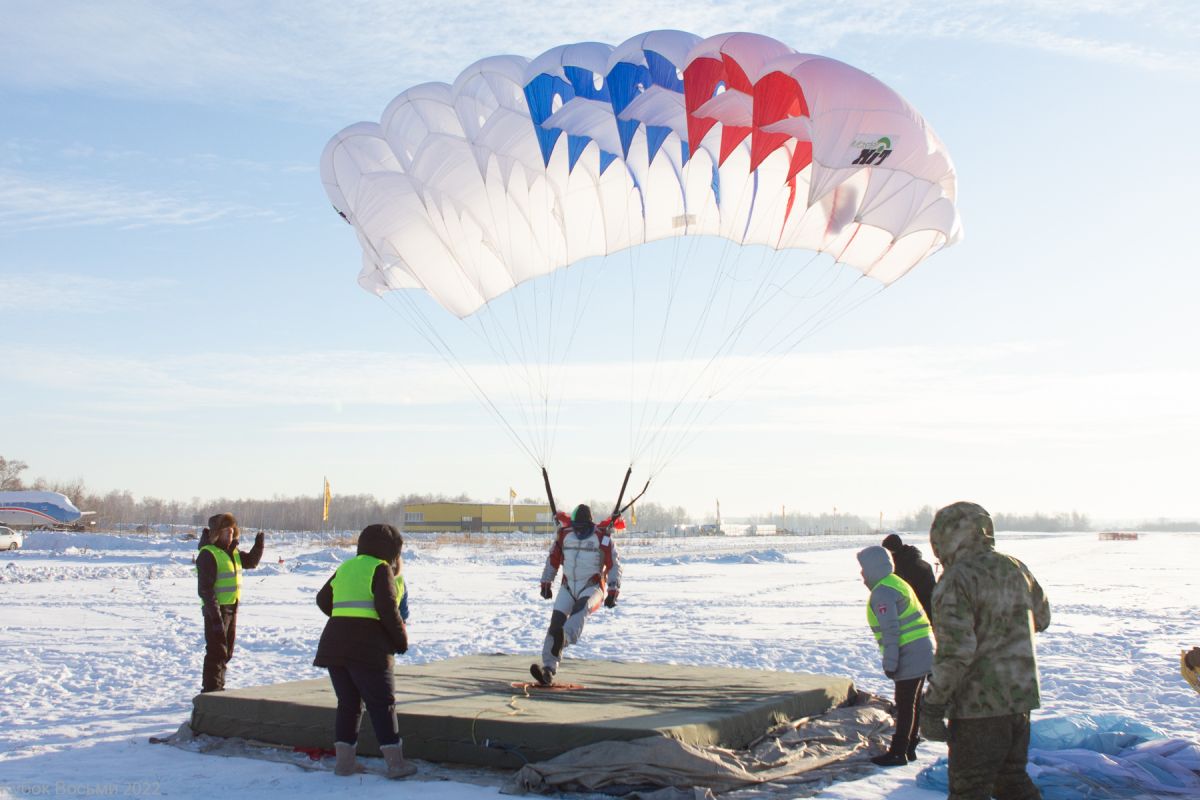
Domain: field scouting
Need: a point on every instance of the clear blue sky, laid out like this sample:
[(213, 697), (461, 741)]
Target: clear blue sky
[(179, 315)]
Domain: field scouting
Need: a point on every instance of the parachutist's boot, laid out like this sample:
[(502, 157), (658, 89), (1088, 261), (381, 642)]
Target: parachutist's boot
[(397, 767), (912, 749), (543, 675), (346, 763)]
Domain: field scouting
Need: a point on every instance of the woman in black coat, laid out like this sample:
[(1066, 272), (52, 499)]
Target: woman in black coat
[(363, 631)]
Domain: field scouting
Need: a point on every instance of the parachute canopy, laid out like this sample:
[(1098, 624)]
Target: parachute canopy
[(482, 194), (521, 167)]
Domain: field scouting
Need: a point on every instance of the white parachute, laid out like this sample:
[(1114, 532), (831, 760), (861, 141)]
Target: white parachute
[(503, 196)]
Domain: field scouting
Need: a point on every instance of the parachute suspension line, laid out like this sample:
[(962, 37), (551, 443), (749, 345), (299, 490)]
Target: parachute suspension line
[(417, 319), (659, 434), (758, 301), (655, 375), (670, 447), (775, 357), (518, 347), (425, 328), (662, 414), (652, 420), (555, 360), (833, 313), (811, 321), (494, 334), (683, 443), (834, 308)]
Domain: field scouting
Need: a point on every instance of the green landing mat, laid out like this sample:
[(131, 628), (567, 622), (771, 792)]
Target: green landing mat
[(467, 710)]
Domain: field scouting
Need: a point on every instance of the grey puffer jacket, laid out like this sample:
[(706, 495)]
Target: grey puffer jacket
[(900, 662)]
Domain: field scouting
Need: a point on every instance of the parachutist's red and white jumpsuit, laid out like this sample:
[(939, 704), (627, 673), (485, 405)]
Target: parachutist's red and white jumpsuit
[(590, 568)]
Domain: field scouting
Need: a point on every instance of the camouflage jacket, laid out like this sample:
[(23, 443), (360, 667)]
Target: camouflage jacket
[(986, 608)]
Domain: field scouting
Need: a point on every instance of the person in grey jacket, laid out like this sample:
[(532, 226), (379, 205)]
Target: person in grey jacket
[(905, 639)]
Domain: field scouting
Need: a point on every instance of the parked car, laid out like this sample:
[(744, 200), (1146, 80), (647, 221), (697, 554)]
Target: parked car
[(10, 539)]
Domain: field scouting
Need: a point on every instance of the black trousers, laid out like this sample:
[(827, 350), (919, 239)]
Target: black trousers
[(218, 649), (355, 686), (907, 699), (988, 757)]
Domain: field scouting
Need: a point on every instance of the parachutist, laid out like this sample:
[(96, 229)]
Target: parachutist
[(591, 576)]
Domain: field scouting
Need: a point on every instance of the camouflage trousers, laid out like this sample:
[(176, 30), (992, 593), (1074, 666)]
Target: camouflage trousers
[(988, 757)]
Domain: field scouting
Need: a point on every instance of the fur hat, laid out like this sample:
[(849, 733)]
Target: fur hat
[(893, 542), (218, 522)]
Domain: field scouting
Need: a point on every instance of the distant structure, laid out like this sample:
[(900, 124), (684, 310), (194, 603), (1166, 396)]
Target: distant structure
[(36, 509), (1110, 536), (477, 518)]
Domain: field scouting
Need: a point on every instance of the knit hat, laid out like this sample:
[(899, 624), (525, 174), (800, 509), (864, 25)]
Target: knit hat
[(892, 542)]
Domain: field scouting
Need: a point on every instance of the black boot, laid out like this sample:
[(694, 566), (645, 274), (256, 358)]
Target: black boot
[(912, 749), (543, 675), (890, 760)]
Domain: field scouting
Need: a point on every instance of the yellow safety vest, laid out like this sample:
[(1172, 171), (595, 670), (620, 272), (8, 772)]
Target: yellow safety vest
[(913, 625), (352, 595), (228, 586)]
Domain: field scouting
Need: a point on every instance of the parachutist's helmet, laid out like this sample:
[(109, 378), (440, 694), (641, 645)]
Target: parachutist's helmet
[(581, 516)]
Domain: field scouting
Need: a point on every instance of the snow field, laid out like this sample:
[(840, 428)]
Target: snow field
[(102, 642)]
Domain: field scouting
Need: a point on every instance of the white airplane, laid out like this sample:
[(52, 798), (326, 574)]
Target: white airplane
[(38, 510)]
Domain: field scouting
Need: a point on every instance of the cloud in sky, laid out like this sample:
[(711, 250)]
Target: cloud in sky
[(28, 202), (67, 292), (965, 394), (339, 57)]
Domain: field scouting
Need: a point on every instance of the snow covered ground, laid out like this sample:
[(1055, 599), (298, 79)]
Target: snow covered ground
[(101, 641)]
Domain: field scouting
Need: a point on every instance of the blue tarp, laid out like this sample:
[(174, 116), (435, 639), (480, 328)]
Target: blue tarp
[(1087, 757)]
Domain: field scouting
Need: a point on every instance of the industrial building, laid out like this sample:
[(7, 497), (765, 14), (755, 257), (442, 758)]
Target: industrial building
[(477, 518)]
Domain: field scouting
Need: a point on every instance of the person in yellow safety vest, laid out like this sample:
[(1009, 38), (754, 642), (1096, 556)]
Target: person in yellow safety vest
[(364, 629), (219, 566), (905, 640)]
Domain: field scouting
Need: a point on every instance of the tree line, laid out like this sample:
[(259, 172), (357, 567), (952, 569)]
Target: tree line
[(1046, 523), (356, 511)]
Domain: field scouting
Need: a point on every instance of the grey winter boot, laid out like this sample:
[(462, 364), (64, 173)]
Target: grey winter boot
[(346, 763), (397, 767)]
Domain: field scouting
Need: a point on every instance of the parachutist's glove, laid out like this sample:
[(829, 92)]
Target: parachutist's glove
[(611, 600), (547, 593), (933, 723), (258, 539), (891, 673), (403, 648)]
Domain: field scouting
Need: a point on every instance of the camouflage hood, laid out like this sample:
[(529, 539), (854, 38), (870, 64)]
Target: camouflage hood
[(959, 530)]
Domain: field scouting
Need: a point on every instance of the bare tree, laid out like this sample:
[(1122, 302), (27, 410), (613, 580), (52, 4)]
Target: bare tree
[(10, 474)]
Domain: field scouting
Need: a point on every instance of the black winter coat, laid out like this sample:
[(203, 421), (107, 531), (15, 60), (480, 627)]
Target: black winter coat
[(206, 571), (916, 572), (358, 642)]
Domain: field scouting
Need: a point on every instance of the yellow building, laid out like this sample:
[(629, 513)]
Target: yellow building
[(477, 518)]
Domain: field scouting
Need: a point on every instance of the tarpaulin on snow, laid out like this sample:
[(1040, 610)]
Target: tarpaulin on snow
[(466, 709), (1081, 757), (799, 757)]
